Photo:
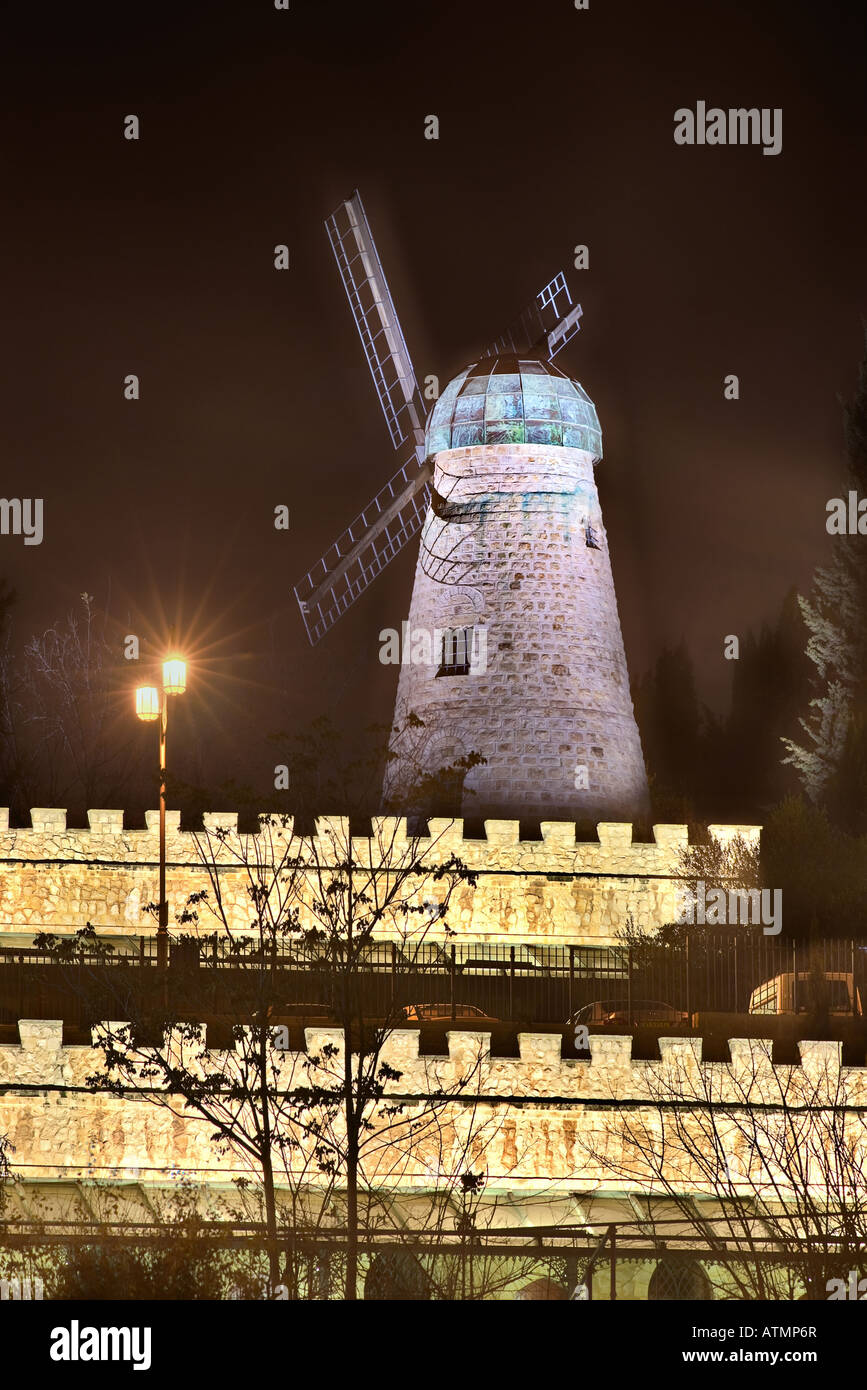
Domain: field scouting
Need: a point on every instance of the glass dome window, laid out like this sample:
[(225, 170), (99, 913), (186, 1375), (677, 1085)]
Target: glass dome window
[(510, 400)]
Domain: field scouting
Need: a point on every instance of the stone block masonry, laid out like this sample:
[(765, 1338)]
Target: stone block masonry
[(554, 1138), (514, 543), (552, 891), (541, 1117)]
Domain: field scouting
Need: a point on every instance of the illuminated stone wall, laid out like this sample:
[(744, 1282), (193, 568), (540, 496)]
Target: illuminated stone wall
[(552, 1136), (542, 1121), (549, 891)]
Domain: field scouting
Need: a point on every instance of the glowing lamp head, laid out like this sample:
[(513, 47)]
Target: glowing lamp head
[(174, 676), (147, 702)]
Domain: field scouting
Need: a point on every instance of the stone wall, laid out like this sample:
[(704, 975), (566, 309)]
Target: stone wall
[(553, 891), (552, 1138), (542, 1122)]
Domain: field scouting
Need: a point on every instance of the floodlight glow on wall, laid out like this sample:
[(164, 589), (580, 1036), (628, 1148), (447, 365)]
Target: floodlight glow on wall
[(147, 702)]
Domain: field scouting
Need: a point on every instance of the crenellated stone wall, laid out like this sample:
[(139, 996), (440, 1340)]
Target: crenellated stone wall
[(542, 1121), (552, 891)]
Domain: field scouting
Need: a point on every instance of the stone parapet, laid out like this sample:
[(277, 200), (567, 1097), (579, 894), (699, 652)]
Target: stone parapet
[(539, 1117), (41, 1051), (554, 890)]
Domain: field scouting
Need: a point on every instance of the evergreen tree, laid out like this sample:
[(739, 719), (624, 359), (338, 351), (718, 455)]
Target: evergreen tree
[(703, 766), (769, 685), (670, 720), (832, 762), (820, 870)]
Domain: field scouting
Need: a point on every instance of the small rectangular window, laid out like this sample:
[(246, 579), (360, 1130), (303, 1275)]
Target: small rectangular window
[(456, 651)]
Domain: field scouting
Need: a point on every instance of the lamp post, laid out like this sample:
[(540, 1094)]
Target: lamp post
[(150, 704)]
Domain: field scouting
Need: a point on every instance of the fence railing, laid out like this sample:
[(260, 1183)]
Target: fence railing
[(704, 971)]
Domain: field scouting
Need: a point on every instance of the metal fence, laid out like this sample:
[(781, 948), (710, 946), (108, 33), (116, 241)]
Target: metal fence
[(703, 971)]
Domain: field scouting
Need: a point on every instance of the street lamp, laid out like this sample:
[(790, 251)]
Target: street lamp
[(151, 704)]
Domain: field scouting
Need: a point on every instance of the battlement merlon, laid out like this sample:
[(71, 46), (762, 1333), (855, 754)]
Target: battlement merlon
[(554, 890)]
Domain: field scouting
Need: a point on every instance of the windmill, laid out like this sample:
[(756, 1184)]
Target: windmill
[(395, 515), (521, 659)]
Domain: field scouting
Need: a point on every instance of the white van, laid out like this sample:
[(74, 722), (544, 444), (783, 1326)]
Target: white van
[(777, 996)]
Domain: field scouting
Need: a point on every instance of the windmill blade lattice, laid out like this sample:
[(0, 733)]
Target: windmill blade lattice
[(397, 512), (551, 319), (364, 549), (377, 323)]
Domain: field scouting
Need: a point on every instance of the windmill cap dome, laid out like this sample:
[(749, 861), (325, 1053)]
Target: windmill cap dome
[(513, 399)]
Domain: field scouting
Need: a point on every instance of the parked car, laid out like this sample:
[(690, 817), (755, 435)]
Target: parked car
[(603, 1011), (778, 995), (287, 1013), (436, 1013)]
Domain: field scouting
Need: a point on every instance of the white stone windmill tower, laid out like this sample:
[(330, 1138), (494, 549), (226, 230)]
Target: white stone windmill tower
[(513, 612)]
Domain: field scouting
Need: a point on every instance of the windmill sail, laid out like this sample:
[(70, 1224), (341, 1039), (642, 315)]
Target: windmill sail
[(364, 549), (396, 513), (377, 323), (551, 319)]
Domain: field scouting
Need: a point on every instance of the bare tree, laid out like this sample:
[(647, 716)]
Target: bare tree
[(326, 1121), (62, 707), (417, 765), (764, 1167), (110, 1241)]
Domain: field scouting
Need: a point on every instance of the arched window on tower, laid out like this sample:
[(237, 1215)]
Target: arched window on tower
[(456, 651)]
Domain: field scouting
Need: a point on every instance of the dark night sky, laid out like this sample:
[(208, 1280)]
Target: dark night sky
[(156, 257)]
